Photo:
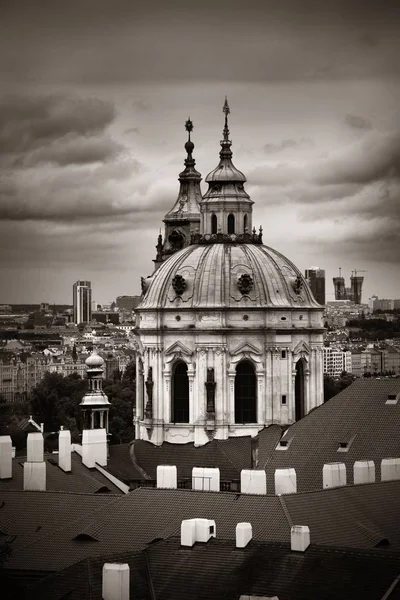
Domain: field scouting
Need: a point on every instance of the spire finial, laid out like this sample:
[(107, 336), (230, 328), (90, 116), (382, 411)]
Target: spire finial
[(189, 146), (189, 126), (227, 111)]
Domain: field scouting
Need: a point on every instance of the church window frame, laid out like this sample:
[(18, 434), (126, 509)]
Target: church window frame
[(231, 224), (214, 224), (245, 393), (180, 393), (245, 223)]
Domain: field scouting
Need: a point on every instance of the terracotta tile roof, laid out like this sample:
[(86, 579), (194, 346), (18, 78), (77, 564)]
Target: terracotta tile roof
[(358, 415), (358, 516), (80, 479), (220, 571)]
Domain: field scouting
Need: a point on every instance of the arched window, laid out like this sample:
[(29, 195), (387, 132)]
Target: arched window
[(214, 224), (245, 393), (180, 394), (231, 223), (299, 390), (244, 223)]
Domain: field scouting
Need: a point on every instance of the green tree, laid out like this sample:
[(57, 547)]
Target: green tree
[(55, 401)]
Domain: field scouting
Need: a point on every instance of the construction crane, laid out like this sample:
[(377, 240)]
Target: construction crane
[(358, 271)]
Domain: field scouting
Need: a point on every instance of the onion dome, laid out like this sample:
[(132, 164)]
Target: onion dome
[(94, 361)]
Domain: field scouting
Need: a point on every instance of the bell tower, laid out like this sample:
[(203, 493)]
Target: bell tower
[(226, 208), (183, 220)]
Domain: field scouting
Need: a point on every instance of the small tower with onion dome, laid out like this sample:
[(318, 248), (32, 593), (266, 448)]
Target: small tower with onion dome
[(95, 404)]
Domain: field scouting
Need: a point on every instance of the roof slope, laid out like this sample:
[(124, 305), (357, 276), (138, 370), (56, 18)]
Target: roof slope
[(218, 570), (359, 516), (79, 480), (231, 456), (359, 416)]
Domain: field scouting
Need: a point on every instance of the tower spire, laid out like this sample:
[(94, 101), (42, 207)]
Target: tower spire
[(183, 220), (227, 111)]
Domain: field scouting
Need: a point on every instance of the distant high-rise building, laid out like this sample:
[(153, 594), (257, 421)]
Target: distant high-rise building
[(354, 292), (316, 279), (82, 301)]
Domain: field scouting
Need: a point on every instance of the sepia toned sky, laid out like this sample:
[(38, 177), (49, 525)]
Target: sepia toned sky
[(94, 97)]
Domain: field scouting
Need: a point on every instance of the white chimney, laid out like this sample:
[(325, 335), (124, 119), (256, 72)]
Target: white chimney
[(197, 530), (299, 538), (333, 475), (205, 479), (167, 477), (285, 481), (94, 447), (35, 447), (35, 467), (390, 469), (116, 580), (5, 457), (64, 450), (253, 482), (244, 534), (364, 471)]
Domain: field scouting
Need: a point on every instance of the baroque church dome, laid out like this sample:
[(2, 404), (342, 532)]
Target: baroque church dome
[(228, 275), (229, 334)]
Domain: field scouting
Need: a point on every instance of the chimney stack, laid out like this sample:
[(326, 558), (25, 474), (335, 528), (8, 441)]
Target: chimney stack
[(285, 481), (116, 580), (167, 477), (364, 471), (244, 534), (390, 469), (205, 479), (64, 450), (333, 475), (35, 467), (299, 538), (253, 482), (5, 457), (197, 530)]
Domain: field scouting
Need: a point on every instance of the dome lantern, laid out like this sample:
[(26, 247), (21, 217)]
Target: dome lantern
[(226, 207)]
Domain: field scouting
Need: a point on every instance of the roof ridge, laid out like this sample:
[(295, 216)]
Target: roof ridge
[(285, 510), (135, 462), (225, 454)]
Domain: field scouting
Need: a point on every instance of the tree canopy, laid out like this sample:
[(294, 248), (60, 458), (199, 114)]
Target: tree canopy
[(55, 401)]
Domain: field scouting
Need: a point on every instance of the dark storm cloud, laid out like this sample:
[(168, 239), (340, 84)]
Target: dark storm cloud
[(60, 164), (101, 41), (27, 122), (374, 158), (357, 122)]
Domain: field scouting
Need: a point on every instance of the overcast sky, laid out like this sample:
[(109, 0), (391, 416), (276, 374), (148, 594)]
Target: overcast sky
[(95, 94)]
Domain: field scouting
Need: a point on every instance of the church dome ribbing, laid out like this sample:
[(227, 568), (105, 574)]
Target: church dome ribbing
[(228, 275)]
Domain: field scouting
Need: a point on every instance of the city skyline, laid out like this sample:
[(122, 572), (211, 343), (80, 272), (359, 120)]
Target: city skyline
[(92, 135)]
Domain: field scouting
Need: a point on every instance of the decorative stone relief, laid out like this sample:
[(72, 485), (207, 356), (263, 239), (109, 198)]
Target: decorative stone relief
[(245, 283), (298, 285), (179, 284)]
